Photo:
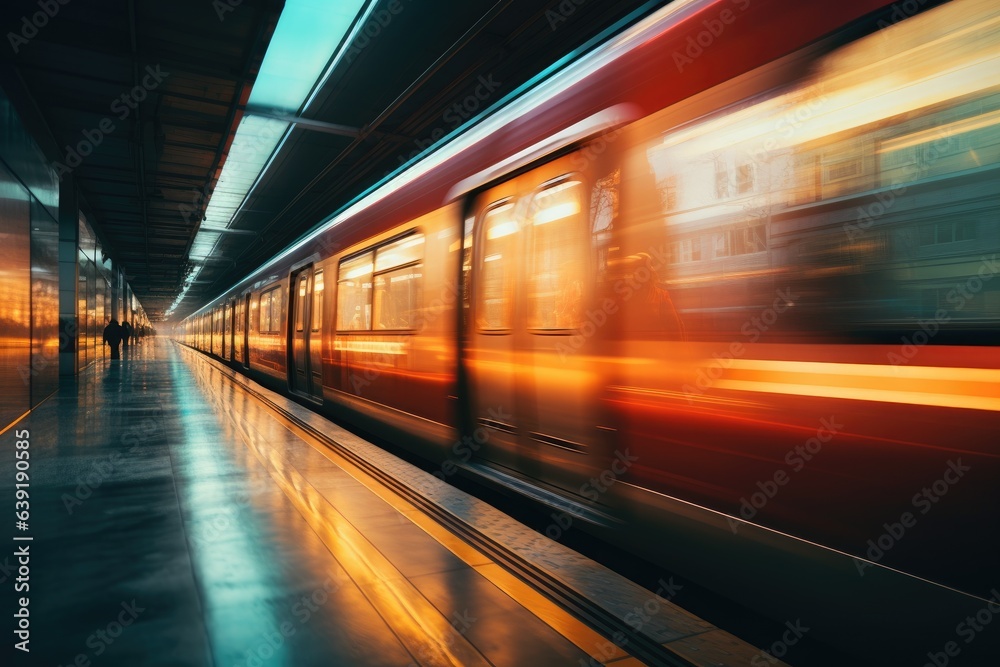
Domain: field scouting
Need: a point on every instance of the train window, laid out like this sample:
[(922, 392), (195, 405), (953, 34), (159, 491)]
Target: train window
[(354, 288), (557, 258), (276, 304), (265, 313), (398, 277), (270, 311), (317, 306), (604, 201), (394, 270), (239, 316), (721, 177), (397, 297), (238, 324), (496, 290), (950, 231), (745, 178), (300, 302), (404, 251), (470, 225)]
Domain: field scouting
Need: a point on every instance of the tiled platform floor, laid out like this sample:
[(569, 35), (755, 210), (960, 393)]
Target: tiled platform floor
[(175, 522), (178, 519)]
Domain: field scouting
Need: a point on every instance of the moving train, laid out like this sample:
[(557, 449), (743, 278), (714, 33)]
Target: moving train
[(723, 291)]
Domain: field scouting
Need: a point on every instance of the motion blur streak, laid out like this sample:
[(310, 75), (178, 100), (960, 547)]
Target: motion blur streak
[(971, 388), (749, 245)]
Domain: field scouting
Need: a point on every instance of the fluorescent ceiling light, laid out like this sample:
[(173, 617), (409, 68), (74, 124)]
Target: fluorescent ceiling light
[(301, 54)]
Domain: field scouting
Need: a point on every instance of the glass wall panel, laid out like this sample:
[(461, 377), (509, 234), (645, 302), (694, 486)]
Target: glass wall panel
[(15, 305), (44, 303)]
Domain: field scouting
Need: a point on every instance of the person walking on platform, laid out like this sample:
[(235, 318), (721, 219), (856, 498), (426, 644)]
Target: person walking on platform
[(126, 335), (113, 336)]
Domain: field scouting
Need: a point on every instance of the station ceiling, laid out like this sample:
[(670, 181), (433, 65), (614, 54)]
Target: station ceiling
[(137, 101)]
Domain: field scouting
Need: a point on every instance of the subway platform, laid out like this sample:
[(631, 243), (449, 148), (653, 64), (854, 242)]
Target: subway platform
[(179, 514)]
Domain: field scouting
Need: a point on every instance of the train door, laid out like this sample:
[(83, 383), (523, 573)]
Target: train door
[(491, 358), (302, 378), (227, 330), (246, 330), (221, 310), (561, 374), (238, 330), (216, 322), (529, 362), (316, 334)]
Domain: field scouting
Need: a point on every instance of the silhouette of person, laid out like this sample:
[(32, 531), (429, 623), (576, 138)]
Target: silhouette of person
[(113, 336), (126, 334)]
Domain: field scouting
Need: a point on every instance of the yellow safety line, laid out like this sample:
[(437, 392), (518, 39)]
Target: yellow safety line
[(578, 633)]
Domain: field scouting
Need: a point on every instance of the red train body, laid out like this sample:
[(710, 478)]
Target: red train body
[(720, 291)]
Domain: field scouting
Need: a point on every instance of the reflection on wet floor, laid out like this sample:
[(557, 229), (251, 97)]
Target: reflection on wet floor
[(177, 522)]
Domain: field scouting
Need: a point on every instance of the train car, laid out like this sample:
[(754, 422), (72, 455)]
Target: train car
[(720, 291)]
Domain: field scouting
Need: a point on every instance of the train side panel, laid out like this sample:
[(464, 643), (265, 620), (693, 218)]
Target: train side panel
[(389, 353), (783, 341), (269, 329), (821, 244)]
